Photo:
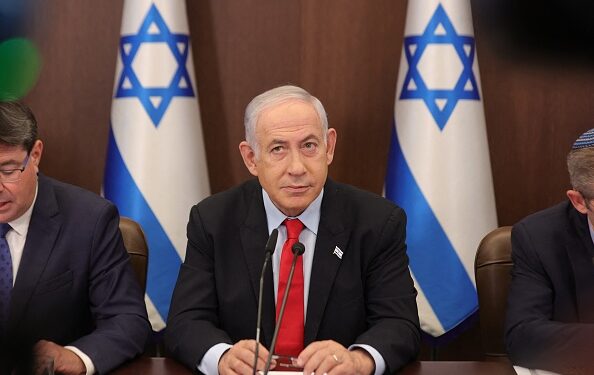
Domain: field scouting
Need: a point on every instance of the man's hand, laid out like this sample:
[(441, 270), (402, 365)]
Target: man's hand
[(329, 357), (65, 361), (239, 359)]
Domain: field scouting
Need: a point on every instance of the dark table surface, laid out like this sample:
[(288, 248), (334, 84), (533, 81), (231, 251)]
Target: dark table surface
[(153, 366), (166, 366), (457, 368)]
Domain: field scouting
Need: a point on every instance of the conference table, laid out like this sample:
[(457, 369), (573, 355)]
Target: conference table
[(166, 366)]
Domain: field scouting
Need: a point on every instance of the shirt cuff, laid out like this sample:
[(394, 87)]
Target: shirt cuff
[(380, 364), (209, 365), (85, 358)]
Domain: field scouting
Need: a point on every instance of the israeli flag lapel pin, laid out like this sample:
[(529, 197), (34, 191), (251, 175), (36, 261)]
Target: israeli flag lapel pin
[(337, 252)]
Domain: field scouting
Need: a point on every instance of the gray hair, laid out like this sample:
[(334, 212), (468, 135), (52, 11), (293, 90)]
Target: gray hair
[(18, 126), (580, 164), (274, 97)]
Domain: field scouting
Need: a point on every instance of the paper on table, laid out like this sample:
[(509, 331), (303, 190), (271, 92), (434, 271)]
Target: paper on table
[(528, 371)]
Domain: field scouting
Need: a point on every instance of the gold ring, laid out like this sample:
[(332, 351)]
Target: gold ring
[(335, 358)]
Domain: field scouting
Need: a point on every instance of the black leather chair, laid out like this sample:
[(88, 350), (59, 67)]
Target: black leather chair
[(492, 268)]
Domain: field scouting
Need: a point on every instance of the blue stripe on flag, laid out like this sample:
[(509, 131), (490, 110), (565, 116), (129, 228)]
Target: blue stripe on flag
[(164, 261), (433, 260)]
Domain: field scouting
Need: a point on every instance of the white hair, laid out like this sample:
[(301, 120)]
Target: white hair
[(275, 97)]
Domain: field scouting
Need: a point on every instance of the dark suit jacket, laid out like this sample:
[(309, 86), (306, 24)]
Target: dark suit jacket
[(75, 285), (550, 316), (367, 297)]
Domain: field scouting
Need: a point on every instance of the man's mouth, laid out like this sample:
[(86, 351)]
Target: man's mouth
[(297, 188)]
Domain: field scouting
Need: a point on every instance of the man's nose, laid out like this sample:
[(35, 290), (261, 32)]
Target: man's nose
[(296, 166)]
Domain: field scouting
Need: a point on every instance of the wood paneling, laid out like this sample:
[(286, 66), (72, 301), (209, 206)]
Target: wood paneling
[(538, 100), (78, 43), (349, 60), (344, 55), (239, 51)]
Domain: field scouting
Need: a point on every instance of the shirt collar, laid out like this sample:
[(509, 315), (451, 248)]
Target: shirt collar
[(21, 224), (310, 217)]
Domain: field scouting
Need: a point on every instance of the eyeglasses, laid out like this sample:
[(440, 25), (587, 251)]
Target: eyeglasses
[(13, 175)]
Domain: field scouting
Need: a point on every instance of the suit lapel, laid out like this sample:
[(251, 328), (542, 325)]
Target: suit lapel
[(44, 228), (580, 250), (254, 234), (332, 232)]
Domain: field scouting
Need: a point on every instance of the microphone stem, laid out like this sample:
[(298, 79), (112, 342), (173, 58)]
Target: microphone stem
[(259, 318), (280, 314)]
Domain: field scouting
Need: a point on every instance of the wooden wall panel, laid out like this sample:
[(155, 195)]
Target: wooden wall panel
[(239, 51), (537, 102), (350, 60), (78, 43)]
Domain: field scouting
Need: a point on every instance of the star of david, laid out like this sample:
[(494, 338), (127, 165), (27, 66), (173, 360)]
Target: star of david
[(155, 100), (440, 102)]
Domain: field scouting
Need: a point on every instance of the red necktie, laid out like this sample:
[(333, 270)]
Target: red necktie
[(290, 335)]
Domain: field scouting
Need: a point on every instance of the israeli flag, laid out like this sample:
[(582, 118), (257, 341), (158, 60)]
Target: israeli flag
[(156, 163), (438, 168)]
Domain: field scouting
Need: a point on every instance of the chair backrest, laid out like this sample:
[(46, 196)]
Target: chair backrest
[(137, 248), (492, 268)]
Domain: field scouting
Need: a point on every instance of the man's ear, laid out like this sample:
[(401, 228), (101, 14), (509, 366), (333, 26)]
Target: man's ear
[(578, 201), (35, 154), (249, 157), (330, 145)]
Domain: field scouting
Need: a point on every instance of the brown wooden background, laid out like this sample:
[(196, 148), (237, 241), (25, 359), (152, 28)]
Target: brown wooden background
[(537, 91)]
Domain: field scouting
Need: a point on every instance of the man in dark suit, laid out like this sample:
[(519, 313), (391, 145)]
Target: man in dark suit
[(353, 306), (550, 315), (67, 290)]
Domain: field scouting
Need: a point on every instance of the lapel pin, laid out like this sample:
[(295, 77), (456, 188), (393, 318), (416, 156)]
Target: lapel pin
[(337, 252)]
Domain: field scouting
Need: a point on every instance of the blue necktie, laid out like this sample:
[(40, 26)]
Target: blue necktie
[(5, 275)]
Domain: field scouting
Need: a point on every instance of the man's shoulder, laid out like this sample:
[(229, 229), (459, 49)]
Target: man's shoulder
[(549, 217), (358, 203), (234, 198), (356, 196), (548, 229), (70, 196)]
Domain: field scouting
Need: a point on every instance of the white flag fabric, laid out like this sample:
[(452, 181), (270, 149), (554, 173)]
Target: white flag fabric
[(156, 164), (438, 168)]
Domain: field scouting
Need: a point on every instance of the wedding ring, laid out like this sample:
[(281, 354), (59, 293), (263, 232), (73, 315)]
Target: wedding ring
[(335, 358)]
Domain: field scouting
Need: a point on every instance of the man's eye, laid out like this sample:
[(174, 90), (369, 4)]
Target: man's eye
[(277, 149), (310, 145), (7, 172)]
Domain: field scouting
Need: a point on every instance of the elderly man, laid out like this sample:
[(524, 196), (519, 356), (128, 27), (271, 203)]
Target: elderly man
[(550, 317), (66, 285), (351, 307)]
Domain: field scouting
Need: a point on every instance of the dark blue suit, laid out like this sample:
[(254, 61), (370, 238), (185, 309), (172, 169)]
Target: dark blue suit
[(550, 316), (367, 297), (75, 285)]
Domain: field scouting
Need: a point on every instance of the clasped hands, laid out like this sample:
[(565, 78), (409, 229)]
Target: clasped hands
[(320, 357)]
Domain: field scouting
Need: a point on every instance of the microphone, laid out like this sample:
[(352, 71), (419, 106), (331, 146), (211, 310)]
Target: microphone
[(298, 249), (268, 250)]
